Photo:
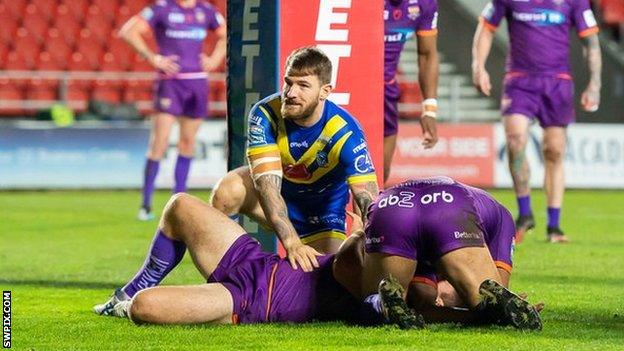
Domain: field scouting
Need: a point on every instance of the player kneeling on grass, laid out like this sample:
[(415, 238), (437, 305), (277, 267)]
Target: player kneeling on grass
[(438, 222)]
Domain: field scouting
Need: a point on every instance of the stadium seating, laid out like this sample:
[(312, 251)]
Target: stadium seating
[(76, 36)]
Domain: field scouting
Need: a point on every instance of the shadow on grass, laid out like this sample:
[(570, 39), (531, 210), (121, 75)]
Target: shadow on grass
[(59, 284)]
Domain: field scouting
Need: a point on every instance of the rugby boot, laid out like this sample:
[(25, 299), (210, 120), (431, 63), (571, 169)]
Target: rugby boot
[(507, 308), (145, 214), (523, 225), (118, 305), (394, 306), (555, 236)]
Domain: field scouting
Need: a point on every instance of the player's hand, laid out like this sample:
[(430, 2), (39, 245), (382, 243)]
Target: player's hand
[(590, 99), (481, 81), (430, 132), (303, 256), (166, 64), (208, 63)]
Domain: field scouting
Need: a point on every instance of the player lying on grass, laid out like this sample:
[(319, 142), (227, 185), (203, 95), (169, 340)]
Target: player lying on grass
[(462, 232), (245, 284), (250, 286)]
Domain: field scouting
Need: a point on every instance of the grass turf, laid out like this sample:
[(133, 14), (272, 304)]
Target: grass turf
[(62, 252)]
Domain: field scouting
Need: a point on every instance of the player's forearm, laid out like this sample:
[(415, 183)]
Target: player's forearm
[(219, 52), (268, 187), (593, 58), (428, 70), (364, 194), (481, 46)]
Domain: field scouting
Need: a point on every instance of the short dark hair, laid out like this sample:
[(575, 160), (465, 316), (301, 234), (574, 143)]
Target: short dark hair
[(309, 60)]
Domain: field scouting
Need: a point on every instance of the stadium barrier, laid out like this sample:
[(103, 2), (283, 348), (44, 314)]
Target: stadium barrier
[(111, 155)]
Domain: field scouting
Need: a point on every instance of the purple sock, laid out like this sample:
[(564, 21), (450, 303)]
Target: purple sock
[(524, 205), (151, 170), (183, 164), (164, 254), (553, 217)]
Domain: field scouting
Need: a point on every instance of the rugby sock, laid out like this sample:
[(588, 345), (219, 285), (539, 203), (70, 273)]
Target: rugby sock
[(183, 164), (524, 205), (164, 254), (553, 217), (151, 170)]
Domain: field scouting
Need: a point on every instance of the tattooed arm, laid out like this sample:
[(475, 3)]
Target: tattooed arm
[(268, 187), (590, 99), (364, 194)]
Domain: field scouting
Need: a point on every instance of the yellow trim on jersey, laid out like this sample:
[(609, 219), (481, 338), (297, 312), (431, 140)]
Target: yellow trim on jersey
[(324, 235), (254, 150), (276, 106), (331, 128), (362, 178), (268, 116)]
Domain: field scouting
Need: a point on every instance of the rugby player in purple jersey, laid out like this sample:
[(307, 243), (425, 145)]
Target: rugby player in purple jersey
[(439, 225), (181, 93), (538, 85), (403, 18)]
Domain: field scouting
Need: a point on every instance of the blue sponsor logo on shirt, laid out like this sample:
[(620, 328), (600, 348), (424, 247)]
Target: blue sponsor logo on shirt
[(543, 17), (399, 35), (192, 34)]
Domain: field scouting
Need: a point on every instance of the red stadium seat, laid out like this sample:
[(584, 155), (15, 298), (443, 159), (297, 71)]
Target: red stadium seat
[(58, 48), (91, 50), (27, 46), (111, 63), (11, 92), (141, 65), (4, 51), (124, 54), (66, 24), (15, 62), (47, 63), (99, 26), (78, 62), (46, 7), (123, 15), (15, 7), (138, 90), (136, 6), (8, 28), (78, 8), (107, 7), (39, 89), (35, 23), (78, 91), (106, 91)]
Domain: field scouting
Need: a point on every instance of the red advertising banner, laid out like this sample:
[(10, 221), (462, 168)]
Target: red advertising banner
[(465, 152), (350, 32)]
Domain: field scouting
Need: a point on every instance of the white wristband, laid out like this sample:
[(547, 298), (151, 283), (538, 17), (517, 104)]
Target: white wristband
[(430, 102)]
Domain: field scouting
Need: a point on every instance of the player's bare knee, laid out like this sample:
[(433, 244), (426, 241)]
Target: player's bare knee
[(553, 154), (228, 195), (176, 209), (142, 308), (186, 146), (515, 142)]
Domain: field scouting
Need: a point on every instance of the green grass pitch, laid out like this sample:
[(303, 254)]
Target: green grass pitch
[(62, 252)]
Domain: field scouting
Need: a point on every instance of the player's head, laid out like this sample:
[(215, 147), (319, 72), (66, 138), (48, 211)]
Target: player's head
[(307, 80)]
